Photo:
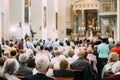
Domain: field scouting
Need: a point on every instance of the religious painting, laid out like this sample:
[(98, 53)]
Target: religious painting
[(44, 17), (91, 18), (91, 22), (26, 11)]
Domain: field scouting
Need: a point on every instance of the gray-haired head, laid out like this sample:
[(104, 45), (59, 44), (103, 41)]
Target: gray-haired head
[(29, 52), (23, 58), (10, 66), (117, 43), (42, 63)]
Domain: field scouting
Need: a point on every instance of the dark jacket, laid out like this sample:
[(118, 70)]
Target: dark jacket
[(81, 63), (63, 73), (24, 70), (38, 76)]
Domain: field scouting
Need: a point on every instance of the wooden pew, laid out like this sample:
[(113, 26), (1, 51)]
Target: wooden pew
[(78, 74), (63, 78), (20, 76)]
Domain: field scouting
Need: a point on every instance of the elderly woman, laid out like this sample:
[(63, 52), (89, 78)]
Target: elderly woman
[(116, 71), (63, 71), (10, 67), (70, 56), (92, 60), (56, 60), (113, 57)]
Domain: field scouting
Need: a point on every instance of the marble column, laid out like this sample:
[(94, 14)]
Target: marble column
[(37, 12), (80, 24), (98, 22), (118, 19), (75, 22), (0, 27), (62, 19), (1, 11), (83, 27)]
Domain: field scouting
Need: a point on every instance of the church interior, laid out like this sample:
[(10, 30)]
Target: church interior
[(59, 39)]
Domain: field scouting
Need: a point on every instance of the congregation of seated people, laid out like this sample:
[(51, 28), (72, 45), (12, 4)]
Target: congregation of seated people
[(79, 59)]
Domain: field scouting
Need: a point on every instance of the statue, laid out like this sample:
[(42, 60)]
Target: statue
[(32, 33)]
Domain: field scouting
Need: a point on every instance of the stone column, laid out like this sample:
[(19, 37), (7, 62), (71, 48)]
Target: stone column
[(83, 26), (75, 16), (118, 19), (0, 27), (62, 18), (80, 24), (51, 16), (82, 18), (1, 11), (77, 22), (98, 21), (37, 10)]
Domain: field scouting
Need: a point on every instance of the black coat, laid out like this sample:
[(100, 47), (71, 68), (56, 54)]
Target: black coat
[(24, 70), (63, 73), (38, 76), (81, 63)]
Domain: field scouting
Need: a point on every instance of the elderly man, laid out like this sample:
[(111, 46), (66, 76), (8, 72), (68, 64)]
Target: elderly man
[(24, 69), (42, 65), (9, 68), (82, 63)]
